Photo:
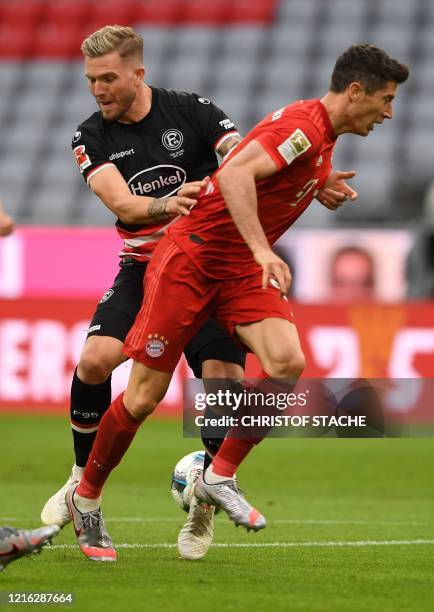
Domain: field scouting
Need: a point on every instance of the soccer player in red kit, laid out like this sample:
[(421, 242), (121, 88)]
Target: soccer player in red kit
[(218, 261)]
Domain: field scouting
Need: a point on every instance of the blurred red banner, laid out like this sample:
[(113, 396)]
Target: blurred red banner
[(41, 341)]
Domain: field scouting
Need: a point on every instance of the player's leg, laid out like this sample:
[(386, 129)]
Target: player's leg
[(283, 359), (91, 383), (220, 371), (214, 356), (102, 353), (155, 342), (263, 322), (91, 386), (16, 543), (282, 362), (118, 427)]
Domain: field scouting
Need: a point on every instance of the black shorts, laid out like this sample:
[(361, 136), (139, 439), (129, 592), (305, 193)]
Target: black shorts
[(119, 306)]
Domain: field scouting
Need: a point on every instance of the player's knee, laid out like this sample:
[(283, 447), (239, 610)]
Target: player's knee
[(142, 401), (286, 365), (94, 368), (214, 368), (141, 407), (297, 364)]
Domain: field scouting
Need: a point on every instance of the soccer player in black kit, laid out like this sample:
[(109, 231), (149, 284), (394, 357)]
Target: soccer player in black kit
[(145, 155)]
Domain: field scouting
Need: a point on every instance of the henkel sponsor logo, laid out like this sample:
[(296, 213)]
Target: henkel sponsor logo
[(158, 181)]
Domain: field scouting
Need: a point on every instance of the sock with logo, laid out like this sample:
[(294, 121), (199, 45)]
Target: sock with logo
[(115, 434), (88, 405)]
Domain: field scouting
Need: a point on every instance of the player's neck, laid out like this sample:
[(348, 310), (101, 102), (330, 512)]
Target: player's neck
[(335, 107), (140, 107)]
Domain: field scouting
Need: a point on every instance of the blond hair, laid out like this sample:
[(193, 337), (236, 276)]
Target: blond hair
[(111, 38)]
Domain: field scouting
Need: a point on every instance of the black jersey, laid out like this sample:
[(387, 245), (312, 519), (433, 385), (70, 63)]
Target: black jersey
[(175, 143)]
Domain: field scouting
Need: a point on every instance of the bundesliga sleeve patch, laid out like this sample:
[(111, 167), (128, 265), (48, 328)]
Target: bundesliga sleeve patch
[(294, 146), (82, 158)]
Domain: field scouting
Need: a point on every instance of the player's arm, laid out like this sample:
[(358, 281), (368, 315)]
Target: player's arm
[(237, 182), (214, 126), (6, 222), (228, 144), (110, 186)]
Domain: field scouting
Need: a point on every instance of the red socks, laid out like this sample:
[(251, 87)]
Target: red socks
[(115, 434), (230, 454), (234, 450)]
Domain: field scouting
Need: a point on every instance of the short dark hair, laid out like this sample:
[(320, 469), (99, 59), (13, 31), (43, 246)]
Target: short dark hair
[(368, 65)]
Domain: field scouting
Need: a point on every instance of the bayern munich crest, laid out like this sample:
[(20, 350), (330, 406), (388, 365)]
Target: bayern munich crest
[(156, 345)]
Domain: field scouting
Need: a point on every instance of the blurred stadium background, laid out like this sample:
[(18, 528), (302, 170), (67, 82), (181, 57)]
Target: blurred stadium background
[(350, 521), (249, 57)]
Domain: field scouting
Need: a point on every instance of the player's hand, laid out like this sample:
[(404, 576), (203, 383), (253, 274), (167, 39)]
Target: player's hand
[(336, 190), (193, 188), (273, 268), (6, 225), (186, 198)]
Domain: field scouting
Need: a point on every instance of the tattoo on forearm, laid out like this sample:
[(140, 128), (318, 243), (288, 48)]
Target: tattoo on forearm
[(157, 208), (228, 144)]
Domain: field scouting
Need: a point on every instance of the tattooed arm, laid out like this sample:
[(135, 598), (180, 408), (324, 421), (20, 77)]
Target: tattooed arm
[(228, 144), (114, 192)]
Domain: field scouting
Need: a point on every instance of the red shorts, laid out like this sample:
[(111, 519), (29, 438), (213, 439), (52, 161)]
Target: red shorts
[(179, 299)]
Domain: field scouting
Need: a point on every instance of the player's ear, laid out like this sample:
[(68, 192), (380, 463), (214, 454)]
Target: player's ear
[(139, 75), (355, 91)]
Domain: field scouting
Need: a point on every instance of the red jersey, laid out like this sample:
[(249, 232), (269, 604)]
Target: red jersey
[(300, 139)]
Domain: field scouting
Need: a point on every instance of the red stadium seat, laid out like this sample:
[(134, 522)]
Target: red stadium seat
[(206, 12), (158, 11), (50, 41), (114, 12), (69, 12), (15, 41), (246, 11), (88, 28), (22, 11)]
